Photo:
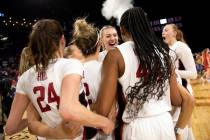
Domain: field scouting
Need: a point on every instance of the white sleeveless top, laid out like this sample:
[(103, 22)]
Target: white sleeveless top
[(129, 78)]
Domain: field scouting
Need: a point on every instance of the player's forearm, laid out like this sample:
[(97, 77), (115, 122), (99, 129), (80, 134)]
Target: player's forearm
[(10, 130), (43, 131), (186, 108), (85, 117), (186, 74)]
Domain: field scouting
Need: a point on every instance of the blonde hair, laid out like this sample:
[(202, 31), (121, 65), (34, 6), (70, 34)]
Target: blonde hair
[(26, 60), (85, 36), (179, 33), (67, 52), (106, 27)]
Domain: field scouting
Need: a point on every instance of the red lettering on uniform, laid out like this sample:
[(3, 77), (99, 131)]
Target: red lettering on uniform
[(140, 72), (87, 89), (52, 97)]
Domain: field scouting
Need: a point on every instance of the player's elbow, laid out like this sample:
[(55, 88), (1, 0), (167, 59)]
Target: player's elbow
[(10, 130), (68, 114), (30, 129), (188, 101)]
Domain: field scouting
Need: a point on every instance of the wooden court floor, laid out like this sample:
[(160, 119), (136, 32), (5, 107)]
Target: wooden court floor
[(201, 113), (200, 118)]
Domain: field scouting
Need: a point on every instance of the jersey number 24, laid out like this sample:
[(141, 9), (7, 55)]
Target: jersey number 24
[(52, 97)]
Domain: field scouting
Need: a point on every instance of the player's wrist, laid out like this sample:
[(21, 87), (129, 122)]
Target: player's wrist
[(178, 131)]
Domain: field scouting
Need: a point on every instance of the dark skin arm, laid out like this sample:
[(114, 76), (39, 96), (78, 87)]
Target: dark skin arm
[(176, 98), (112, 69), (186, 109), (181, 97)]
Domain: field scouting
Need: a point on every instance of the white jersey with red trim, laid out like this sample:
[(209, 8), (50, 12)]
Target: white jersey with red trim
[(153, 121), (91, 81), (131, 76), (92, 78), (44, 89), (102, 55)]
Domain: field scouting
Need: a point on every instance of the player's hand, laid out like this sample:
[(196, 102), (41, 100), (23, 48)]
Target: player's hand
[(113, 113), (179, 137), (109, 126), (69, 130)]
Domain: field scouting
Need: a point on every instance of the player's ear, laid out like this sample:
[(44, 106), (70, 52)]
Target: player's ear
[(63, 41)]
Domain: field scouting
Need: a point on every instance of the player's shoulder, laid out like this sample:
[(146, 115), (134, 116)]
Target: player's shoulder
[(28, 74), (183, 45), (69, 61)]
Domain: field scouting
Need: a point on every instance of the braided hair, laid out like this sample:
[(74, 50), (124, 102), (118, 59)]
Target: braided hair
[(154, 60)]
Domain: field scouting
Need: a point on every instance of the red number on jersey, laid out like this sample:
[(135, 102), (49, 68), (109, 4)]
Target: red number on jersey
[(87, 92), (52, 97), (140, 72)]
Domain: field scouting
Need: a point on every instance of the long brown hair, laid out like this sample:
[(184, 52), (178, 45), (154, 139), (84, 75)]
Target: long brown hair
[(44, 41)]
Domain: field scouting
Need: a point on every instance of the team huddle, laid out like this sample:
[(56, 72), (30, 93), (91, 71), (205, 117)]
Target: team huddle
[(95, 88)]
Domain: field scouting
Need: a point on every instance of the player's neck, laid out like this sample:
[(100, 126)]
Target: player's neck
[(91, 57), (171, 43)]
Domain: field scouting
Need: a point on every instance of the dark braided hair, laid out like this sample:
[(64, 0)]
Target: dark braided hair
[(44, 42), (154, 60)]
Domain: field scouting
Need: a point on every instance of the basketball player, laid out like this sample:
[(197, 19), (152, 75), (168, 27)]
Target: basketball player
[(54, 86), (143, 68), (185, 65), (109, 40), (84, 48)]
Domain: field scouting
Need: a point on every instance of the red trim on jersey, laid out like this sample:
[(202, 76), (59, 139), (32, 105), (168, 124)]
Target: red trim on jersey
[(84, 135), (121, 131)]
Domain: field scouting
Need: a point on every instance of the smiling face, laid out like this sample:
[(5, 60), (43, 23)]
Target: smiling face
[(168, 34), (109, 38)]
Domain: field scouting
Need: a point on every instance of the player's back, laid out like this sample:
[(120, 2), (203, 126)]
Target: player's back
[(132, 74), (92, 78), (43, 88)]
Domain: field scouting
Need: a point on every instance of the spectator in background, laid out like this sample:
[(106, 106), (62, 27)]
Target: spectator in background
[(206, 63), (199, 65)]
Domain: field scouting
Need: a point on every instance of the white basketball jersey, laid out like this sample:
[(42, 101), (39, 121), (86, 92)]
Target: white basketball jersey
[(130, 77), (180, 51), (102, 55), (92, 78), (44, 89)]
